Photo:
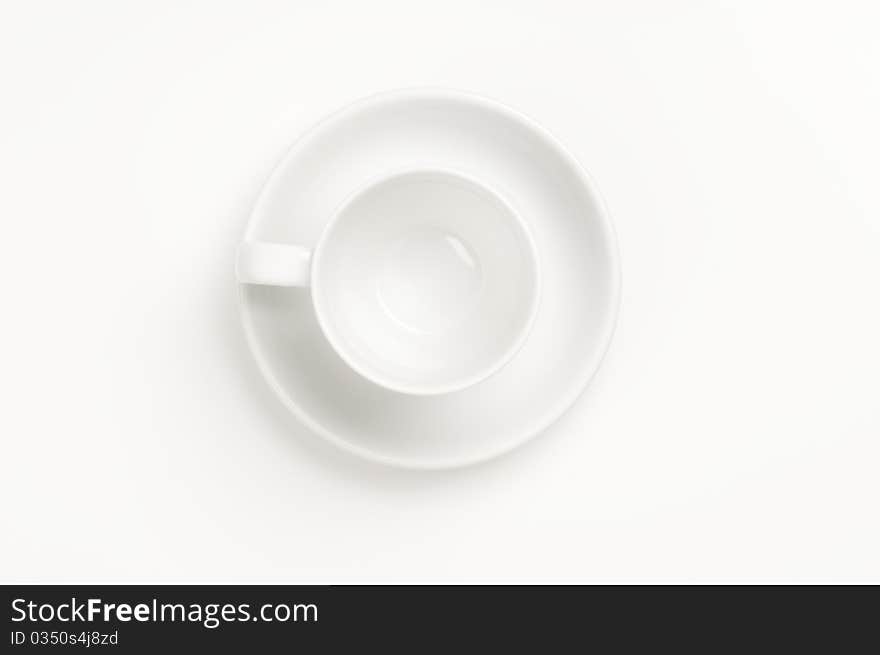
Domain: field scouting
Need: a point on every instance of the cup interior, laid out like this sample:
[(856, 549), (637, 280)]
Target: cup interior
[(426, 282)]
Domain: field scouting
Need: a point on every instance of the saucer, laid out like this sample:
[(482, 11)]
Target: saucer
[(575, 242)]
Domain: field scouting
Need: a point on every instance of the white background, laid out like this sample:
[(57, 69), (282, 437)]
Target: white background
[(733, 433)]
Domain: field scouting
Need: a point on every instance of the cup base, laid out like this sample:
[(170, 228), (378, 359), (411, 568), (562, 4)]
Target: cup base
[(431, 281)]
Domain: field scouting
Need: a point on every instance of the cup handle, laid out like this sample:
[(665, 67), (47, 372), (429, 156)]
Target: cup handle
[(277, 264)]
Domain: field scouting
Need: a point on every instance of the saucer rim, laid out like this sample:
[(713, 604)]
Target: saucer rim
[(587, 371)]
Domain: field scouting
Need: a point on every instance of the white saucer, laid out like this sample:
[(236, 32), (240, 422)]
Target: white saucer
[(576, 247)]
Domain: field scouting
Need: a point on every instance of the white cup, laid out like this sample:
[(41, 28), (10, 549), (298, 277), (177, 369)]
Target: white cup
[(424, 281)]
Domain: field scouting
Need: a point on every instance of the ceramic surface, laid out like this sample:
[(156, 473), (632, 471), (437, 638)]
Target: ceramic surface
[(575, 245), (424, 281)]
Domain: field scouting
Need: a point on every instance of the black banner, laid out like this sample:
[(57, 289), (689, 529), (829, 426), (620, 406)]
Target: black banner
[(414, 618)]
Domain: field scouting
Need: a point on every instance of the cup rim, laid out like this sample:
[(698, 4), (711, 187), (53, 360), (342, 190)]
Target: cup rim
[(463, 382)]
